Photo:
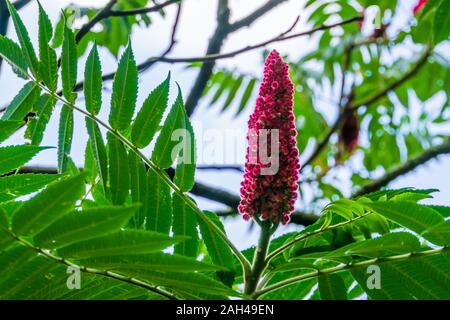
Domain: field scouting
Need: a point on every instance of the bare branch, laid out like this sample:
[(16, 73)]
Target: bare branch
[(223, 29), (173, 40), (200, 190), (404, 168), (102, 14), (133, 12), (350, 108), (108, 12), (248, 20), (4, 17), (19, 4), (211, 57), (214, 46)]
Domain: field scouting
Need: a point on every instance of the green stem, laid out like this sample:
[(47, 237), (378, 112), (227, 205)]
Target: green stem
[(105, 273), (259, 259), (342, 267)]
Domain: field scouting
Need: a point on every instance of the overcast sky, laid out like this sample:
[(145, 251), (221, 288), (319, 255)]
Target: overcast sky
[(196, 25)]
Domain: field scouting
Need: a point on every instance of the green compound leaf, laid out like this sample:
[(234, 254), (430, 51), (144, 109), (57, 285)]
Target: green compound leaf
[(47, 206)]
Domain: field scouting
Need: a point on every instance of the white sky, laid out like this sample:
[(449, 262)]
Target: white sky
[(196, 26)]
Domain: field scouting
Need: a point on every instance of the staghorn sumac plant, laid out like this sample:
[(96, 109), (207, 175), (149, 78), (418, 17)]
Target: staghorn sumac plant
[(269, 189), (129, 225)]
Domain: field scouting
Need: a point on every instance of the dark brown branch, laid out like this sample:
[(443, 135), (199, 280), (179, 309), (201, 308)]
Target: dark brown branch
[(352, 107), (108, 12), (222, 31), (200, 190), (410, 74), (102, 14), (302, 218), (248, 20), (19, 4), (297, 217), (211, 57), (404, 168), (173, 39), (4, 17), (216, 195), (133, 12), (4, 21), (214, 46), (220, 167)]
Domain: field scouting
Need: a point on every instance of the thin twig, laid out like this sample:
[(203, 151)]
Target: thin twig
[(152, 166), (353, 107), (173, 39), (133, 12), (211, 57), (404, 168), (19, 4), (221, 167)]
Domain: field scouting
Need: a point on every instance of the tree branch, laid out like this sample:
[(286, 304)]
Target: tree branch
[(133, 12), (214, 46), (301, 218), (248, 20), (200, 190), (404, 168), (108, 12), (223, 29), (104, 273), (211, 57), (353, 107), (4, 17), (19, 4), (102, 14), (349, 266), (173, 39), (411, 73)]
